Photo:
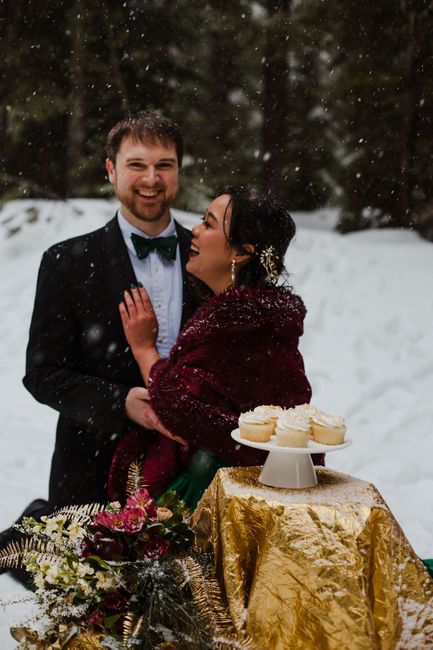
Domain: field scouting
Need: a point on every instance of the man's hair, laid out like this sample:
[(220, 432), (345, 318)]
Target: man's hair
[(148, 128)]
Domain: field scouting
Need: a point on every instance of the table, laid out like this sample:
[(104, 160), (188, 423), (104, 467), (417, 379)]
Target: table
[(321, 568)]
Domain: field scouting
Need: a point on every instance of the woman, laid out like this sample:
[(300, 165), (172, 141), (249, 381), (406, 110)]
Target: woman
[(239, 350)]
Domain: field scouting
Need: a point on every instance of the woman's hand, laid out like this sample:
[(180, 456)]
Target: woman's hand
[(138, 319)]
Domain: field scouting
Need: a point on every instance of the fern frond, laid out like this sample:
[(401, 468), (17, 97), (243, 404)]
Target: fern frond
[(135, 480), (132, 626), (82, 514), (210, 605), (14, 553)]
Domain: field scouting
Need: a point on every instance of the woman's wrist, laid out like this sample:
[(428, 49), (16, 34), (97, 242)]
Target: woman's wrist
[(145, 359)]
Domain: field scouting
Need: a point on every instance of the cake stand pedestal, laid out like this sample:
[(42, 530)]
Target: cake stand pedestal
[(289, 467)]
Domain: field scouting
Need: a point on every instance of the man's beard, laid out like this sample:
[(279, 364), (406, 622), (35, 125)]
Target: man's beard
[(149, 215)]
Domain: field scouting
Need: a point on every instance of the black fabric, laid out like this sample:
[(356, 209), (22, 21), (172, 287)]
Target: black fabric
[(36, 509), (78, 360)]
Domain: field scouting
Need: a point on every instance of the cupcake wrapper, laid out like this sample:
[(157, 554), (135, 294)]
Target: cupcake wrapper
[(292, 439), (328, 435)]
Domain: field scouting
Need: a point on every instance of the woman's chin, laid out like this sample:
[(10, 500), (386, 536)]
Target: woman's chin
[(191, 267)]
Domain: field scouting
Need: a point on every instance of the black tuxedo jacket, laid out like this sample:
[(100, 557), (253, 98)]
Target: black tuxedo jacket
[(78, 360)]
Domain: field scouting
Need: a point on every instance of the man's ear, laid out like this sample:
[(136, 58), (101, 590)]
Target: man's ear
[(242, 257), (111, 171)]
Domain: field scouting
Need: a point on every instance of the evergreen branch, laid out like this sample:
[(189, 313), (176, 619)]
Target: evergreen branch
[(31, 185)]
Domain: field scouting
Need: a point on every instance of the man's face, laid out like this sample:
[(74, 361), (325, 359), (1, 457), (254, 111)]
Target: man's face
[(146, 181)]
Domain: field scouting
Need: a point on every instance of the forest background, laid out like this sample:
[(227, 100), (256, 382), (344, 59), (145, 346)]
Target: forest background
[(324, 102)]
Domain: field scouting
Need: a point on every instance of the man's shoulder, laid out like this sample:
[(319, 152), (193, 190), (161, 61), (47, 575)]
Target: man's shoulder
[(81, 244)]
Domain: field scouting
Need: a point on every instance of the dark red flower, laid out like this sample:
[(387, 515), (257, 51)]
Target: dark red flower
[(154, 547), (116, 602), (95, 618), (106, 547)]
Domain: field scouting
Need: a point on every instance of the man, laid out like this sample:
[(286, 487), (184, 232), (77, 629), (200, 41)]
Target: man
[(78, 360)]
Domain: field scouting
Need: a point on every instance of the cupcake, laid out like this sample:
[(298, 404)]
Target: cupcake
[(255, 427), (292, 429), (328, 429), (308, 410), (273, 412)]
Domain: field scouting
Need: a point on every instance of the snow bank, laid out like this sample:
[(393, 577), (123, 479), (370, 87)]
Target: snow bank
[(367, 350)]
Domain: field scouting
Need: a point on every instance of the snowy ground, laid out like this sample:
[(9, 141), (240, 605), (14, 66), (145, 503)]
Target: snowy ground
[(367, 347)]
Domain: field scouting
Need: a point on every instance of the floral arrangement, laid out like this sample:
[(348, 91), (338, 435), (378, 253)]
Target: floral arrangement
[(126, 576)]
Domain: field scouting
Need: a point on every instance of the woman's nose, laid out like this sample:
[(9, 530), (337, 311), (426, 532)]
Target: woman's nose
[(195, 230)]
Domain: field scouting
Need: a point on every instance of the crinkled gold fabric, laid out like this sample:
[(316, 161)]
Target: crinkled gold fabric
[(317, 569)]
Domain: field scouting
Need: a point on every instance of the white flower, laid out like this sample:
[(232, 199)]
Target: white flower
[(84, 569), (39, 580), (53, 524), (105, 580), (52, 576), (85, 587), (75, 531)]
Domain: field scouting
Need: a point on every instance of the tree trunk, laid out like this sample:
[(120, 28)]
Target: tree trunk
[(415, 34), (221, 57), (275, 132), (76, 99)]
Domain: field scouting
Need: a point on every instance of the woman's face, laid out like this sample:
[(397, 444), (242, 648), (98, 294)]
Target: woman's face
[(211, 255)]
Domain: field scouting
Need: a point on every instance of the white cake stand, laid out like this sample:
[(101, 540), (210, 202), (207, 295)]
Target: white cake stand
[(289, 467)]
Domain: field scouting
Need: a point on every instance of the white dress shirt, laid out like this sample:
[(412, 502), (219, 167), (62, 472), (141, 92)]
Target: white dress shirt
[(162, 280)]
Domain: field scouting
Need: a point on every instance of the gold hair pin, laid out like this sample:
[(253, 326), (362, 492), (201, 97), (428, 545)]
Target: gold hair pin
[(267, 259)]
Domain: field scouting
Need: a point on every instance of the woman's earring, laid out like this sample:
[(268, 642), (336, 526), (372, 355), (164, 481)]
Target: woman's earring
[(233, 271)]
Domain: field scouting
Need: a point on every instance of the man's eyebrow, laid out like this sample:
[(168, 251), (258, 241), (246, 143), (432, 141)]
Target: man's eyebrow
[(140, 160)]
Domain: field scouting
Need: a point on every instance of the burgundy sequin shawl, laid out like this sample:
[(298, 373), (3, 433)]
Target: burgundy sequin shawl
[(239, 350)]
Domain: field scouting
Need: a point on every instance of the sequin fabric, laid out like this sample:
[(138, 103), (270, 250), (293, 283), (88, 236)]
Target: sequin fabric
[(325, 568)]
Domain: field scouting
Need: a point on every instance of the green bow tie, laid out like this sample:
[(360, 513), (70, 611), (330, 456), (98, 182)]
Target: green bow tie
[(165, 246)]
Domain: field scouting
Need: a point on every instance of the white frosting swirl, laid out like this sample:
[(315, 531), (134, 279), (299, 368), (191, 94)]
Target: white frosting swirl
[(251, 417), (308, 410), (292, 421), (333, 421), (270, 411)]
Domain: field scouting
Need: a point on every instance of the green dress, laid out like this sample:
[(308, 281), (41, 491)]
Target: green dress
[(191, 484), (429, 565)]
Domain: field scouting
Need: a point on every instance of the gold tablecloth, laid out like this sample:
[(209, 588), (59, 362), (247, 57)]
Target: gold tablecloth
[(317, 569)]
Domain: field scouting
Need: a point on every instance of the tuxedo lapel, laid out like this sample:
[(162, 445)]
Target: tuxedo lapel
[(120, 273)]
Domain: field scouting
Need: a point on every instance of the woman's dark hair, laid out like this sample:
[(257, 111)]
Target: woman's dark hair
[(259, 219)]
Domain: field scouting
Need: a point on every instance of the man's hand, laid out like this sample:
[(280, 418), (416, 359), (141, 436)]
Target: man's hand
[(138, 408)]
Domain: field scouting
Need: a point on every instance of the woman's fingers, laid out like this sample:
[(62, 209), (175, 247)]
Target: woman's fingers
[(124, 316), (141, 299), (130, 304), (145, 298)]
